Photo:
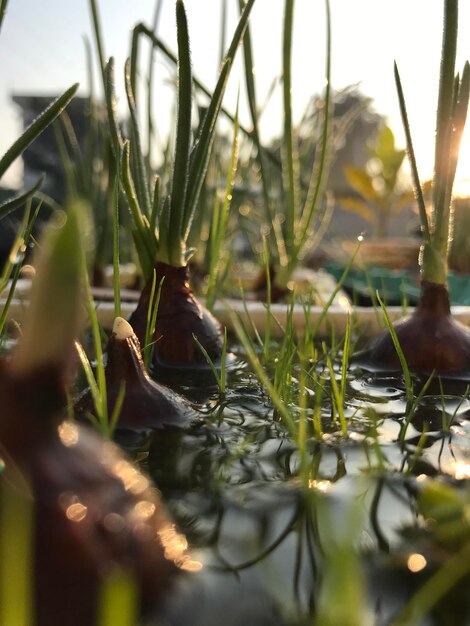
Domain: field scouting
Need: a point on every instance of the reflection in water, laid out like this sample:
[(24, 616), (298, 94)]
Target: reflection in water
[(76, 512), (232, 482), (133, 480)]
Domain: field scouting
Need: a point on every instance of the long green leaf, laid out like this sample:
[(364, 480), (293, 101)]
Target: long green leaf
[(102, 396), (98, 36), (317, 182), (19, 200), (139, 168), (111, 107), (116, 283), (253, 105), (289, 149), (144, 240), (183, 137), (3, 10), (141, 29), (118, 600), (397, 346), (36, 128), (444, 128), (219, 223), (150, 75), (202, 149), (17, 549), (411, 156)]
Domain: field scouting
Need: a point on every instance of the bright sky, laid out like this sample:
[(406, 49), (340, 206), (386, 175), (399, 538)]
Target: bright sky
[(42, 52)]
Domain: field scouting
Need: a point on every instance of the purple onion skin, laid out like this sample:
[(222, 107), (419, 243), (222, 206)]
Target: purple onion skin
[(147, 404), (431, 339), (93, 510), (180, 316)]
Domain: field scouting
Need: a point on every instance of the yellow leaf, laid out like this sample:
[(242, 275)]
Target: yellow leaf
[(355, 205)]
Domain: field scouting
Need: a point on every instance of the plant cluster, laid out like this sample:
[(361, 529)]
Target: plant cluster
[(85, 536)]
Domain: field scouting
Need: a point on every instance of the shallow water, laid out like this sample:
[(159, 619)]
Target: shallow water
[(231, 482)]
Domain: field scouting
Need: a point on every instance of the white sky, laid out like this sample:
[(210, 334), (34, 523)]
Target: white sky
[(42, 52)]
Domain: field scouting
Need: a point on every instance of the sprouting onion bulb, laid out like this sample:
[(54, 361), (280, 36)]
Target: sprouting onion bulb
[(122, 329)]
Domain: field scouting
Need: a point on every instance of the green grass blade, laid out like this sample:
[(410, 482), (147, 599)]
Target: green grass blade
[(118, 603), (140, 168), (134, 61), (98, 36), (102, 395), (152, 312), (201, 154), (183, 139), (68, 165), (163, 238), (202, 149), (92, 384), (111, 107), (289, 151), (267, 326), (223, 25), (17, 550), (116, 268), (150, 74), (209, 362), (411, 156), (219, 223), (319, 387), (253, 327), (412, 405), (337, 397), (223, 363), (22, 239), (396, 343), (248, 132), (155, 205), (145, 241), (117, 407), (319, 173), (260, 372), (345, 357), (253, 106), (36, 128), (3, 10), (19, 200), (444, 118), (74, 149)]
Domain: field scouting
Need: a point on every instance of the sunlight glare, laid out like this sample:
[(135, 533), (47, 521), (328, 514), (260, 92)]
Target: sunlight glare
[(462, 176), (416, 562)]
